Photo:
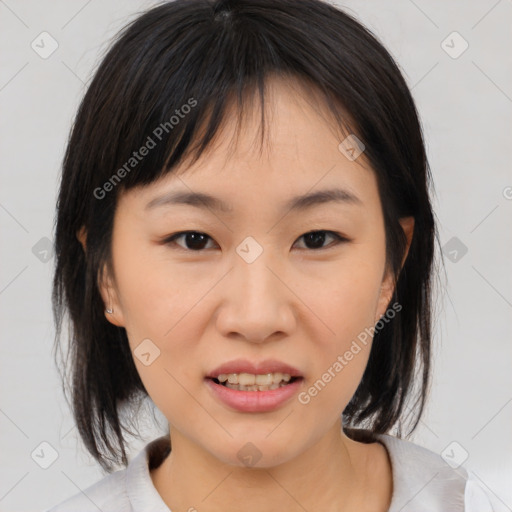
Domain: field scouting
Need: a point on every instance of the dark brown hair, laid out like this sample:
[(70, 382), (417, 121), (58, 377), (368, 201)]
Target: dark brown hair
[(213, 52)]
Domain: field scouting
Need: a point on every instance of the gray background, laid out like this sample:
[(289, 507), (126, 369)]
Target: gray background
[(466, 108)]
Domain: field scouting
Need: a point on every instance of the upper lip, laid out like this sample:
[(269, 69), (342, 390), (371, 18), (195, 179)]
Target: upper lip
[(260, 368)]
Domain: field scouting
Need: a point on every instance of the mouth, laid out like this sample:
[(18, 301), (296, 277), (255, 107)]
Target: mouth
[(254, 382), (245, 386)]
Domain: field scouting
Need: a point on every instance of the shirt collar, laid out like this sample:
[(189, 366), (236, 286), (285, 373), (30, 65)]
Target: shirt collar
[(140, 489)]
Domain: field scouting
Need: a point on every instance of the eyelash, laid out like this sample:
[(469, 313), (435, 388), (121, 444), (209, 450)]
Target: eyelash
[(339, 239)]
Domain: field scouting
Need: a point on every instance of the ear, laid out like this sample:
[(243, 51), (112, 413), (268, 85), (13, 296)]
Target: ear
[(110, 296), (407, 224), (388, 286), (106, 287), (81, 235)]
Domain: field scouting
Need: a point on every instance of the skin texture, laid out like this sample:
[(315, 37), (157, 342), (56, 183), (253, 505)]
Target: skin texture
[(301, 305)]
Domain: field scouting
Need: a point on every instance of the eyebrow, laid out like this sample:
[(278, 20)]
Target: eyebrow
[(299, 203)]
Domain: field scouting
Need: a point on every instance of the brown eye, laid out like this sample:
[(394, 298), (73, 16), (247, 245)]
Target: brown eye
[(194, 240), (315, 239)]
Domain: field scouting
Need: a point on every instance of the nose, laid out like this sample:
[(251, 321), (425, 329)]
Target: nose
[(257, 302)]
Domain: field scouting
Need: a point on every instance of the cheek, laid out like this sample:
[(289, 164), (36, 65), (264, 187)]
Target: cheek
[(163, 309), (156, 295), (345, 298)]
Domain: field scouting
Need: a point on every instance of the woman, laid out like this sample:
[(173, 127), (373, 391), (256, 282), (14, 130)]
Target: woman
[(272, 295)]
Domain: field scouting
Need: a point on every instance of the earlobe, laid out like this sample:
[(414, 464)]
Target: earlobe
[(113, 312), (386, 293), (107, 291)]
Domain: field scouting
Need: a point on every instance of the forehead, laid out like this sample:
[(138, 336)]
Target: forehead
[(301, 161), (293, 119)]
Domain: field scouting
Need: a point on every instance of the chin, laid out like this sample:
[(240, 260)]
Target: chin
[(253, 452)]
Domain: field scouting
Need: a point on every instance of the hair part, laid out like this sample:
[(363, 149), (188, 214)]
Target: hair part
[(213, 52)]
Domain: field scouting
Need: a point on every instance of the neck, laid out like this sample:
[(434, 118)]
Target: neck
[(329, 475)]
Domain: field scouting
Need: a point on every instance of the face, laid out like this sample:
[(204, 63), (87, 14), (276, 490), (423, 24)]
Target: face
[(257, 280)]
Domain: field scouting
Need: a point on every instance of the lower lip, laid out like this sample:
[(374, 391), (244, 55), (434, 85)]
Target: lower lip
[(254, 401)]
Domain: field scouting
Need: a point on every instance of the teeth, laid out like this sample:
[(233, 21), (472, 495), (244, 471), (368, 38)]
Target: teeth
[(239, 387), (254, 381), (246, 379)]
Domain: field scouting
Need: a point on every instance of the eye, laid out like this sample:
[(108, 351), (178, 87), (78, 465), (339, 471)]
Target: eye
[(316, 239), (197, 241), (194, 240)]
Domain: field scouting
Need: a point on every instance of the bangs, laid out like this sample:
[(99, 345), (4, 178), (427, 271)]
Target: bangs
[(167, 104)]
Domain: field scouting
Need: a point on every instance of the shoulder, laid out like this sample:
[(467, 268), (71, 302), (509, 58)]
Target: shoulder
[(424, 481), (107, 494), (124, 490)]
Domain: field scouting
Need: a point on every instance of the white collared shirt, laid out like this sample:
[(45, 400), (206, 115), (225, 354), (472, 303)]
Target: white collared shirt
[(422, 482)]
